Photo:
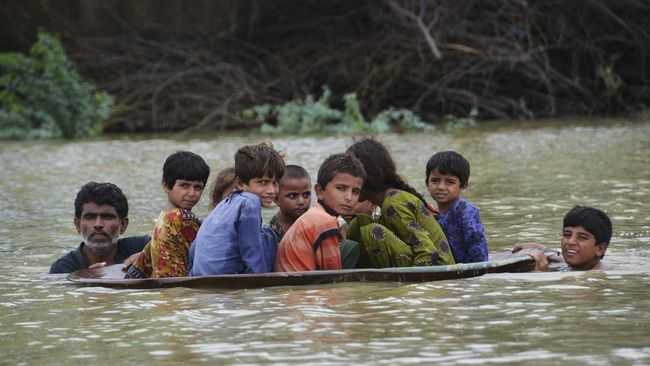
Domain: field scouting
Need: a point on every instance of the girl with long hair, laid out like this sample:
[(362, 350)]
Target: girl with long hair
[(407, 233)]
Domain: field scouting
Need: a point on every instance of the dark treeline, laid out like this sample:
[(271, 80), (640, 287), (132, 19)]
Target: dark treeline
[(197, 64)]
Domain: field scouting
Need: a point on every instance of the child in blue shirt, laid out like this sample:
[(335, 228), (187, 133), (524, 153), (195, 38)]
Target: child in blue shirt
[(231, 239), (447, 176)]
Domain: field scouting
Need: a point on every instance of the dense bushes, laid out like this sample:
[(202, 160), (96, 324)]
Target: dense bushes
[(478, 59), (43, 96)]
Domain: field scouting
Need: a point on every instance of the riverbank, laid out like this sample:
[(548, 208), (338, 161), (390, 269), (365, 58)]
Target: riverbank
[(500, 60)]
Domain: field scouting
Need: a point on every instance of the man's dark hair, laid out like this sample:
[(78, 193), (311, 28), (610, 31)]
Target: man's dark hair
[(101, 194), (339, 163), (257, 161), (184, 165), (591, 219), (292, 171), (450, 163), (380, 169)]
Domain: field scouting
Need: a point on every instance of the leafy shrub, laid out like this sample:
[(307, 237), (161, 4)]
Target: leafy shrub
[(317, 116), (456, 123), (43, 96)]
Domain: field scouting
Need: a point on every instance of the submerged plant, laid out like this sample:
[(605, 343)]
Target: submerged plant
[(43, 96), (313, 115), (297, 116), (455, 123)]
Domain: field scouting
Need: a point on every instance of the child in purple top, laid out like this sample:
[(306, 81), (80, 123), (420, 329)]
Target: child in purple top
[(232, 239), (447, 175)]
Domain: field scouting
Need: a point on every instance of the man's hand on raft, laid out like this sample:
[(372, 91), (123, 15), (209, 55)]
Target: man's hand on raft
[(125, 265), (97, 265)]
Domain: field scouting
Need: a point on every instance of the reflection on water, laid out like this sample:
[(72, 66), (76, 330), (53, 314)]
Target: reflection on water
[(523, 179)]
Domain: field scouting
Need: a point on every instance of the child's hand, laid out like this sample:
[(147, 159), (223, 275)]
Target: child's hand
[(129, 261), (433, 209), (541, 262), (364, 207)]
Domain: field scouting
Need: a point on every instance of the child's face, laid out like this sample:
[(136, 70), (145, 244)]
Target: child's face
[(444, 188), (294, 197), (579, 248), (266, 188), (185, 193), (341, 193)]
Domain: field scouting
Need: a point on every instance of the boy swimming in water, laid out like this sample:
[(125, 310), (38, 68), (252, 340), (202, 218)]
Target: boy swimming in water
[(585, 238), (447, 175)]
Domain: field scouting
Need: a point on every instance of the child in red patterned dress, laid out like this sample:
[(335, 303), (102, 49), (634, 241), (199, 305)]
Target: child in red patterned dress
[(184, 177)]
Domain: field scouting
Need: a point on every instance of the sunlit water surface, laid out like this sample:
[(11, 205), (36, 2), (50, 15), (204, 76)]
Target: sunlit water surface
[(524, 177)]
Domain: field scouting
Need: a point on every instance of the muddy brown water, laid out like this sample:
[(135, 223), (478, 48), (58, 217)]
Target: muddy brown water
[(524, 177)]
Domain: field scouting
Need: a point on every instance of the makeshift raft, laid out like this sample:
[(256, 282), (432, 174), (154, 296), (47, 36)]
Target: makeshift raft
[(112, 276)]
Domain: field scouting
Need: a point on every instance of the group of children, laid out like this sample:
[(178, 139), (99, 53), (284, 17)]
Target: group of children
[(337, 232)]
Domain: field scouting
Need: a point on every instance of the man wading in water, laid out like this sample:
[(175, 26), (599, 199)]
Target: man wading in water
[(101, 211)]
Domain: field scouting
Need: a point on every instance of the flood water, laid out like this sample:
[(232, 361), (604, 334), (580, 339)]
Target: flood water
[(524, 178)]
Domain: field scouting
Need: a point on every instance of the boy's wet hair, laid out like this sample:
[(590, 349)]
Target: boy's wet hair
[(292, 171), (101, 194), (225, 178), (380, 169), (184, 165), (450, 163), (591, 219), (339, 163), (257, 161)]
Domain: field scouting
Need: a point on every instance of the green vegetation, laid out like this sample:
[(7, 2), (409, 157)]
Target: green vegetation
[(43, 96), (318, 116), (200, 68), (457, 123)]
